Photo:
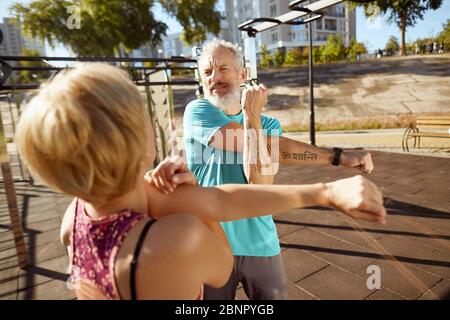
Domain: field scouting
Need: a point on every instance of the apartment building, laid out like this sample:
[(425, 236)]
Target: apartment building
[(14, 41), (337, 19)]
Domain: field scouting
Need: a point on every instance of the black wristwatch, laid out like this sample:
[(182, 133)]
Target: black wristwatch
[(337, 156)]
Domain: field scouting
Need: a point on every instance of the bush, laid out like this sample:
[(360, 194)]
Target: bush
[(279, 58), (356, 49), (334, 49), (294, 57), (266, 60)]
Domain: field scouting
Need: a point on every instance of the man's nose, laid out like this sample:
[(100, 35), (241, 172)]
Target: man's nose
[(216, 75)]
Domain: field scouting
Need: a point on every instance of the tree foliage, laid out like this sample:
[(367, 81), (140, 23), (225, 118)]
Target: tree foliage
[(356, 49), (266, 60), (106, 26), (295, 57), (334, 49), (444, 35), (392, 46), (197, 17), (279, 58), (405, 13)]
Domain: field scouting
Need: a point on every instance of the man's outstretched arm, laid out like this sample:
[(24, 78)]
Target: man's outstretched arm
[(231, 138)]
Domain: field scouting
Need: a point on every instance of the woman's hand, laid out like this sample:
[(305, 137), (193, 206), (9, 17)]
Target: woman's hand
[(169, 173), (357, 197)]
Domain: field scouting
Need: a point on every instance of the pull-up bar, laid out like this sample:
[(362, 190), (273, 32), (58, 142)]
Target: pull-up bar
[(289, 19), (7, 68), (97, 59)]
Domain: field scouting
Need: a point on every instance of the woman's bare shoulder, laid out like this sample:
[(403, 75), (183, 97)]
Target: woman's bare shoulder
[(67, 223), (169, 247)]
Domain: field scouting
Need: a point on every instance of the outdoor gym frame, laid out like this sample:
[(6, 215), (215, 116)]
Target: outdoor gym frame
[(313, 12), (140, 74)]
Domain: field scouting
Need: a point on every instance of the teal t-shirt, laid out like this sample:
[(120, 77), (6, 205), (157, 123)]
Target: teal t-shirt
[(248, 237)]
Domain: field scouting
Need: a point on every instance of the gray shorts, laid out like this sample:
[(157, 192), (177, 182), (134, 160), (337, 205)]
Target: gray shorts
[(263, 278)]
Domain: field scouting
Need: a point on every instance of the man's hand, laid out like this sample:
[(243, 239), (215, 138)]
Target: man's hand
[(254, 98), (359, 159), (169, 173), (357, 197)]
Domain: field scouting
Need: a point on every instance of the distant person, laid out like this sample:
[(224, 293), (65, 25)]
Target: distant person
[(87, 134), (417, 50), (430, 47), (435, 47), (379, 53), (441, 47)]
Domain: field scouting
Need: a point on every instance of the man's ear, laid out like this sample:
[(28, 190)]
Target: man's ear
[(243, 75)]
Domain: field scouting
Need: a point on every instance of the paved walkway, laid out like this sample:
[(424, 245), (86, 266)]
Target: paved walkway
[(388, 140), (326, 255)]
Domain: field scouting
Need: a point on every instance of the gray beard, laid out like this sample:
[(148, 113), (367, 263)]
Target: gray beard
[(226, 103)]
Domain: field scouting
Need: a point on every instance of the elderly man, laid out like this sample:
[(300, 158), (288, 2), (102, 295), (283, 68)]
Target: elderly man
[(228, 140)]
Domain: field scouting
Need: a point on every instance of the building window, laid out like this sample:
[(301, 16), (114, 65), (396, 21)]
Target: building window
[(299, 27), (273, 10), (330, 24), (319, 24), (274, 37)]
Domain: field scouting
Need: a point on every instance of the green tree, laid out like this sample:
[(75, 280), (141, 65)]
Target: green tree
[(279, 57), (392, 46), (405, 13), (266, 60), (334, 49), (107, 26), (355, 49), (444, 35), (197, 17)]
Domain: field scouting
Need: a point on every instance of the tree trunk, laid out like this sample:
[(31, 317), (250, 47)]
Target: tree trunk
[(403, 49)]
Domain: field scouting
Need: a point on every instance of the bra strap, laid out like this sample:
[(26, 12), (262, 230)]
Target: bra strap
[(137, 251)]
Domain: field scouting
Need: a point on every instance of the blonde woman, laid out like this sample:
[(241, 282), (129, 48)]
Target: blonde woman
[(87, 134)]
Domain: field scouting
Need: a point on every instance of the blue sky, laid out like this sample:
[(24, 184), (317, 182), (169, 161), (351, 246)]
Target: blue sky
[(374, 36)]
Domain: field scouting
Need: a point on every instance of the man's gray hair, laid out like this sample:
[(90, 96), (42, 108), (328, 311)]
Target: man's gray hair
[(215, 44)]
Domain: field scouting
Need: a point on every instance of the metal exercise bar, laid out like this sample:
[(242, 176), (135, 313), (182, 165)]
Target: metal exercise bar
[(97, 59), (32, 86), (292, 15), (250, 44)]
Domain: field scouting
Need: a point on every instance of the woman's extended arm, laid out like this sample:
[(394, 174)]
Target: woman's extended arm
[(357, 197)]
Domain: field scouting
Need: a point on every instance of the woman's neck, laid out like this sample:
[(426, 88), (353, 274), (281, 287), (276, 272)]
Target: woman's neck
[(135, 200)]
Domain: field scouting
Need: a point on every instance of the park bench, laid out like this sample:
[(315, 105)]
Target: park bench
[(430, 127)]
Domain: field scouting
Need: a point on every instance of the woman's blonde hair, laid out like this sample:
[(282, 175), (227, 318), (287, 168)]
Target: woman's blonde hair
[(86, 133)]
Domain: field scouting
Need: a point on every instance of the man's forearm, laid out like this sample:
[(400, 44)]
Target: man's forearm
[(258, 165), (298, 153), (289, 151)]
